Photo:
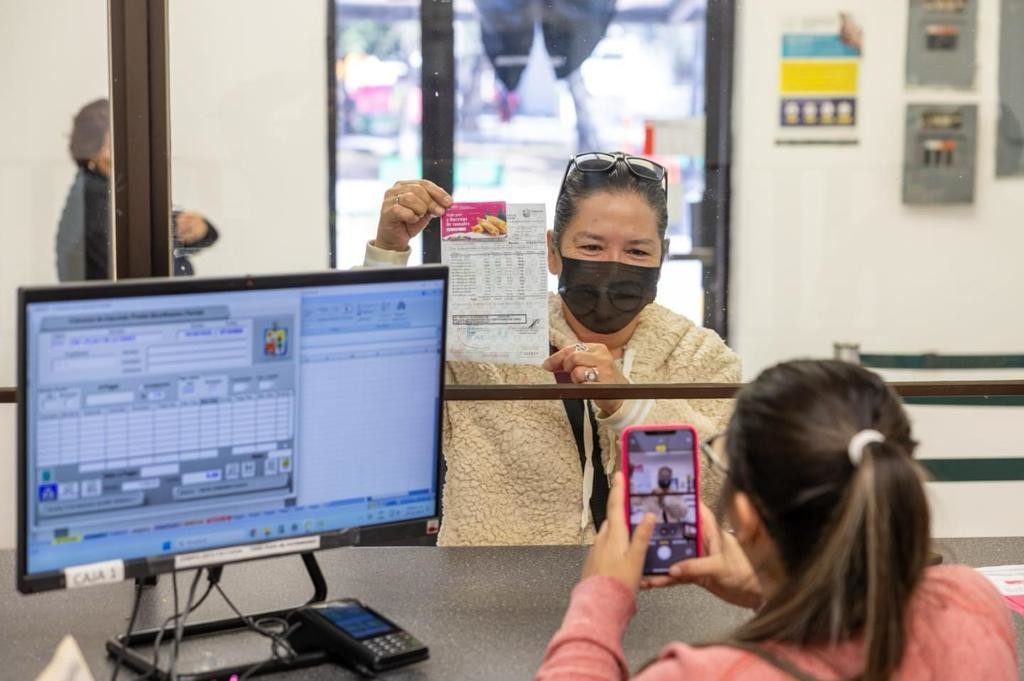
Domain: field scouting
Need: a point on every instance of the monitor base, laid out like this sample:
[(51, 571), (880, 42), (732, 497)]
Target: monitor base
[(124, 647)]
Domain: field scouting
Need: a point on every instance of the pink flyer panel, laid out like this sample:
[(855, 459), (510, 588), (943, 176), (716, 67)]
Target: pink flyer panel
[(483, 220)]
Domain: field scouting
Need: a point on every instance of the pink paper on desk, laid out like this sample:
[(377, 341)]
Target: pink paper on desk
[(1009, 580)]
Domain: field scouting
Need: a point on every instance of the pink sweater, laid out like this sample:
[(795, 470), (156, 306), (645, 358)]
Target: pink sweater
[(959, 628)]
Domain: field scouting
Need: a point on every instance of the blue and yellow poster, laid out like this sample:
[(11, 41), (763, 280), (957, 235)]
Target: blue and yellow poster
[(818, 72)]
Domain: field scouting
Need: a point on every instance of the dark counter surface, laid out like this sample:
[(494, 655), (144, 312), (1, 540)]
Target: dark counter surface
[(484, 612)]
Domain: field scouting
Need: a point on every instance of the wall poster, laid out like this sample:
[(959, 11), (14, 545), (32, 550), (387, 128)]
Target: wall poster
[(818, 73)]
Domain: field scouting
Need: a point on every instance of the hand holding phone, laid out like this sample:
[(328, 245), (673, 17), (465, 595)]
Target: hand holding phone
[(615, 553), (660, 463), (723, 568)]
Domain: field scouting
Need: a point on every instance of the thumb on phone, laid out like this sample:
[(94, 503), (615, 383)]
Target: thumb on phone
[(696, 570)]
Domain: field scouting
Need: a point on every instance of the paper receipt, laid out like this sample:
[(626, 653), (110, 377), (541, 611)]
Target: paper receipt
[(498, 301)]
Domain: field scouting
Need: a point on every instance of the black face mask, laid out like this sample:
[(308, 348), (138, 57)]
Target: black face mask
[(606, 295), (664, 484)]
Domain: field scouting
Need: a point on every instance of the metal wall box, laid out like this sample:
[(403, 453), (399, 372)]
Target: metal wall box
[(939, 155), (941, 37)]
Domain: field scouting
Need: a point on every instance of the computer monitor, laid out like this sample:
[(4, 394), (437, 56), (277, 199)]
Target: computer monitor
[(178, 423)]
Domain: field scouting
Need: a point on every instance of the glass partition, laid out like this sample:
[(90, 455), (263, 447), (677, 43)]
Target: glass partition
[(248, 131), (535, 84), (377, 63), (541, 83), (55, 161), (876, 183), (54, 170)]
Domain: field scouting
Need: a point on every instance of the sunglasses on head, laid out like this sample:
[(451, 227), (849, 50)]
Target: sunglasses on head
[(603, 162)]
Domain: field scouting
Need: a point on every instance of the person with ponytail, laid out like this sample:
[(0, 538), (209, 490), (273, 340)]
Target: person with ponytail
[(828, 545)]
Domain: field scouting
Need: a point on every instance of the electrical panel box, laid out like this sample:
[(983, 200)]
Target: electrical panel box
[(1010, 135), (939, 156), (941, 37)]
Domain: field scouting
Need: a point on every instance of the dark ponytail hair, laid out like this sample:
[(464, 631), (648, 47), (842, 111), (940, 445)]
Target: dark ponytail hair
[(853, 538), (619, 179)]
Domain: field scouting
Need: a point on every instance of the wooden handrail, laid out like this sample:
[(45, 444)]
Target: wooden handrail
[(679, 391), (703, 391)]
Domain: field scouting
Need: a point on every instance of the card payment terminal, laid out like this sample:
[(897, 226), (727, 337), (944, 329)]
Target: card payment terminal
[(350, 632)]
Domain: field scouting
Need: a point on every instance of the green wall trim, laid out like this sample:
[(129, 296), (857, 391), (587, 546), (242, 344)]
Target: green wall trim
[(933, 361), (969, 401), (974, 470)]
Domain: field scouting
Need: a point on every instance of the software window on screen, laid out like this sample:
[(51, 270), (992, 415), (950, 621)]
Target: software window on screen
[(178, 423)]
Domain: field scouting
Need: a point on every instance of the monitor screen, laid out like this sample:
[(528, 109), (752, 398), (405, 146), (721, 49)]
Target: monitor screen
[(169, 423)]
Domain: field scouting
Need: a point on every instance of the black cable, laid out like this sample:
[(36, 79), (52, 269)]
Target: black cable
[(163, 627), (259, 627), (128, 634), (155, 664), (281, 650), (278, 640), (179, 628)]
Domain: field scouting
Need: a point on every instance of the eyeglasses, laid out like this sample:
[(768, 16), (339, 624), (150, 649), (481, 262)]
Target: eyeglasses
[(716, 454), (625, 296), (603, 161)]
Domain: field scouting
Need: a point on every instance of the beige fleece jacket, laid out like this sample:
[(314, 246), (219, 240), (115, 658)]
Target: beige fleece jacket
[(514, 474)]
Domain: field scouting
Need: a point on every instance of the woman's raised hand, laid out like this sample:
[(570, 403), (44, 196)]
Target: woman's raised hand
[(723, 569), (407, 208), (588, 363)]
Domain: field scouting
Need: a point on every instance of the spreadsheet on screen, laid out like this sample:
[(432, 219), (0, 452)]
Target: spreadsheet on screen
[(173, 423)]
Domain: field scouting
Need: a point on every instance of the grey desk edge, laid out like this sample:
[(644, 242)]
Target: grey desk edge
[(484, 612)]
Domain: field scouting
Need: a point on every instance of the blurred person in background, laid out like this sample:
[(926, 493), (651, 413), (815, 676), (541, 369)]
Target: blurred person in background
[(83, 234), (571, 29)]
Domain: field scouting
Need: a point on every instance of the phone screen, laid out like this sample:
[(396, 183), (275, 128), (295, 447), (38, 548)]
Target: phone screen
[(357, 622), (663, 482)]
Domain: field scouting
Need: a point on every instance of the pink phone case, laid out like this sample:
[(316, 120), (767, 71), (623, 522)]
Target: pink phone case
[(696, 472)]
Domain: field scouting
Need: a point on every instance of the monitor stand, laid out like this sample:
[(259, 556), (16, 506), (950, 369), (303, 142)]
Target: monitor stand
[(146, 581), (124, 646)]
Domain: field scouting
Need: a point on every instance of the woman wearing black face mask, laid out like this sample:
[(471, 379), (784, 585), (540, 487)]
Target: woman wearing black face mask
[(538, 472)]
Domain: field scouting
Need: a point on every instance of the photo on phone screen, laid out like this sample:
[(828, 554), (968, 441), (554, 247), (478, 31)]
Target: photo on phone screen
[(663, 482)]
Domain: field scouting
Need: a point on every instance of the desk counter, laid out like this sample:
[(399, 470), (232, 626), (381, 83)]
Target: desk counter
[(485, 613)]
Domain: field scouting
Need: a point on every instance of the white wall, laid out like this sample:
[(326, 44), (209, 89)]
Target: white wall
[(248, 81), (824, 250), (53, 59)]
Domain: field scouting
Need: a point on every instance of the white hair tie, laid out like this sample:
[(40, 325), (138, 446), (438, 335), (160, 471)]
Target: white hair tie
[(861, 440)]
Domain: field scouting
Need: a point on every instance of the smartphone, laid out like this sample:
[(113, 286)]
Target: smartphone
[(660, 463)]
